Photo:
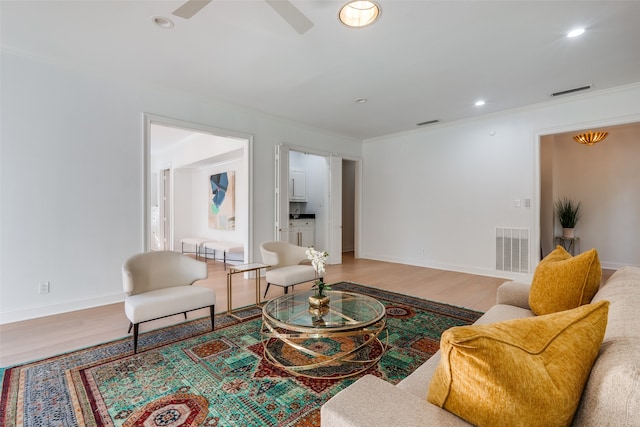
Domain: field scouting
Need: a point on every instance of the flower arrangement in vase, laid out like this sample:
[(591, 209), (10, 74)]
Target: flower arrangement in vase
[(318, 260)]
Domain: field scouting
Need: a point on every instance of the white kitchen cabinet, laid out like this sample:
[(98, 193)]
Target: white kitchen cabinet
[(302, 232), (297, 186)]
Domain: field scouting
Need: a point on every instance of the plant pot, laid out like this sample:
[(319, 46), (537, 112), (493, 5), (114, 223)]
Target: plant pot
[(318, 301), (317, 313), (568, 233)]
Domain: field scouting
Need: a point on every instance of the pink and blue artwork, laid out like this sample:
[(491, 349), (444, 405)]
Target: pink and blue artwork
[(222, 209)]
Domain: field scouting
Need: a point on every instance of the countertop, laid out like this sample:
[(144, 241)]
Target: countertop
[(302, 216)]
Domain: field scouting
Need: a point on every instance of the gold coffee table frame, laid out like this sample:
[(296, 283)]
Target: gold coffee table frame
[(288, 319)]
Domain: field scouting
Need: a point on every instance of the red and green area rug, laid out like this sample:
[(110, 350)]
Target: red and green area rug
[(186, 375)]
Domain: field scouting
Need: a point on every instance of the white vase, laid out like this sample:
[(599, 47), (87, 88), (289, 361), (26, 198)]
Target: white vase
[(568, 233)]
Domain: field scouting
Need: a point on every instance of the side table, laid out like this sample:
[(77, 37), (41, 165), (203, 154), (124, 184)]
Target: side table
[(244, 268), (570, 244)]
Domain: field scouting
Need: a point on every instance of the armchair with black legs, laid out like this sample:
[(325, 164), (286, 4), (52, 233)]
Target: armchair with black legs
[(160, 284), (288, 263)]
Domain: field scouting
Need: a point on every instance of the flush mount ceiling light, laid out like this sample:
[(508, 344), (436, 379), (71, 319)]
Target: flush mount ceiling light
[(575, 32), (359, 13), (479, 103), (360, 100), (162, 22), (590, 138)]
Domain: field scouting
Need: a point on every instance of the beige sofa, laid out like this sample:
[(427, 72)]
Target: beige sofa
[(610, 398)]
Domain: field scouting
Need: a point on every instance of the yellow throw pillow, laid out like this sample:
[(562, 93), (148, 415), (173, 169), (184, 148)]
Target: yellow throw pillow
[(522, 372), (562, 282)]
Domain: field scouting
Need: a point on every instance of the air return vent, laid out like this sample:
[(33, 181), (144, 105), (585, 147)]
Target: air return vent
[(568, 91), (512, 249), (429, 122)]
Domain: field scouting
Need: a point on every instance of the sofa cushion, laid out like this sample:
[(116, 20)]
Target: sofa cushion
[(418, 382), (612, 395), (373, 402), (519, 372), (562, 282)]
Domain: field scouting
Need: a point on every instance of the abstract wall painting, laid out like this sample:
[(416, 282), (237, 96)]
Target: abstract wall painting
[(222, 201)]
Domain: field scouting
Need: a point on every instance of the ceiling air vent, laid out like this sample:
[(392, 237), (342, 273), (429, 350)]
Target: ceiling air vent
[(568, 91), (429, 122)]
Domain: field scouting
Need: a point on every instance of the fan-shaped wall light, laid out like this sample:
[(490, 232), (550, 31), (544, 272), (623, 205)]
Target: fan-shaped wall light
[(590, 138), (359, 13)]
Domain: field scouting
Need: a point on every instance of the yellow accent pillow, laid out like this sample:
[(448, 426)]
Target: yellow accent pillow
[(562, 282), (522, 372)]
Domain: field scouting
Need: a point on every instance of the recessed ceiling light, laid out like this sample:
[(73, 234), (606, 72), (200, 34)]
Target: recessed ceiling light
[(361, 100), (480, 103), (359, 13), (162, 22), (576, 32)]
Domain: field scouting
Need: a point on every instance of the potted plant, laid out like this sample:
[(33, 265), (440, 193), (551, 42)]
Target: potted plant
[(318, 261), (569, 212)]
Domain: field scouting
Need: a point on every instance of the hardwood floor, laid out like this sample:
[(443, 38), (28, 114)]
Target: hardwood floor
[(38, 338)]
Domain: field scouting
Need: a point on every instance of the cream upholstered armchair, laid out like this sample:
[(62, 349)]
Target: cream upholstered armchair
[(158, 284), (289, 265)]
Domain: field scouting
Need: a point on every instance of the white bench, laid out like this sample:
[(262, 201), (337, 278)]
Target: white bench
[(224, 247), (196, 242)]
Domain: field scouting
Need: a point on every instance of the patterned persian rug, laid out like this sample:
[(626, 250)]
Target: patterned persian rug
[(187, 375)]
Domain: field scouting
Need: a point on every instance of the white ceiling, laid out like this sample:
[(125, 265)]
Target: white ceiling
[(422, 60)]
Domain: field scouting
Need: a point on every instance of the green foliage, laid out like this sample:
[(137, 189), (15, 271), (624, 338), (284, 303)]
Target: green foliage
[(320, 287), (568, 211)]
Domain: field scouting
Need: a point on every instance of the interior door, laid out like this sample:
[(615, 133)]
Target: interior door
[(165, 197), (282, 230), (335, 210)]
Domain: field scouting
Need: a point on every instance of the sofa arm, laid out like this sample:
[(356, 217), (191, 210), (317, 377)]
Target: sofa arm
[(514, 293), (373, 402)]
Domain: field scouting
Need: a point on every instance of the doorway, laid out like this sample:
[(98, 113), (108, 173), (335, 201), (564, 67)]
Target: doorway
[(603, 179), (180, 160), (329, 200)]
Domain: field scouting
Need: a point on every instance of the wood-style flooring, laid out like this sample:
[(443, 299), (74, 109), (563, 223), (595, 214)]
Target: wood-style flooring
[(47, 336)]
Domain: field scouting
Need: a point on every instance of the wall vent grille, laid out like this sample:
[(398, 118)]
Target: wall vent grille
[(428, 122), (575, 89), (512, 249)]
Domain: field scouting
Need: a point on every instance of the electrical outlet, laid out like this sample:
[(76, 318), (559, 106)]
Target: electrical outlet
[(43, 287)]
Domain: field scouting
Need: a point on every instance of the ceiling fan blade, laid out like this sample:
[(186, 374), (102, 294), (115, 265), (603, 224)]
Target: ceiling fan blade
[(190, 8), (291, 14)]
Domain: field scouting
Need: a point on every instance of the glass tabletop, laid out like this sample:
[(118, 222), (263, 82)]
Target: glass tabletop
[(247, 267), (346, 311)]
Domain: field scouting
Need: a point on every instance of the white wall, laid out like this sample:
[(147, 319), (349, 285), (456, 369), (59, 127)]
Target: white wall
[(605, 179), (72, 178), (434, 197)]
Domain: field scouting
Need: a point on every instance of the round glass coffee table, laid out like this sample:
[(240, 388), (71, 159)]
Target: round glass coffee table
[(336, 341)]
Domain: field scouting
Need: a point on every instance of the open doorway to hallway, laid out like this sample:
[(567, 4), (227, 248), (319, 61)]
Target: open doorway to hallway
[(603, 178), (317, 199), (183, 161)]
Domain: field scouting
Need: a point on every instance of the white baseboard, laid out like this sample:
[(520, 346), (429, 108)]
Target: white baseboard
[(452, 267), (520, 277), (615, 265), (34, 312)]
